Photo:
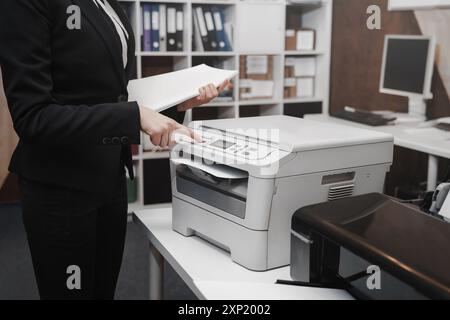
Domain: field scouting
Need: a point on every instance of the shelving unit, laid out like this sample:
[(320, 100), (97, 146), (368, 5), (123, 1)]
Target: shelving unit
[(258, 29)]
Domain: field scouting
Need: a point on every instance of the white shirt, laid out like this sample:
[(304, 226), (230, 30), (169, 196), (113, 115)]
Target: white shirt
[(121, 31)]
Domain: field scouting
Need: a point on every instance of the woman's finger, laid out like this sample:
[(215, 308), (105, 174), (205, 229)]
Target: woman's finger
[(165, 139), (214, 90), (156, 139), (194, 135), (202, 94), (209, 93), (182, 130), (224, 85)]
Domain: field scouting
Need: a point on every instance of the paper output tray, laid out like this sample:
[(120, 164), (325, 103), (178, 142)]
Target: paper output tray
[(225, 193)]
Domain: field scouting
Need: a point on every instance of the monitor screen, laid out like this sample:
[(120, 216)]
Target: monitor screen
[(405, 66)]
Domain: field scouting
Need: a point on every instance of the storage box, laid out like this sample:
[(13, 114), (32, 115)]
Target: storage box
[(291, 40), (305, 40), (305, 87)]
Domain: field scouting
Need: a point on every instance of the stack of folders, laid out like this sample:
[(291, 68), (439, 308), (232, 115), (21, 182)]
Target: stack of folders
[(211, 31), (299, 76), (162, 27), (256, 77)]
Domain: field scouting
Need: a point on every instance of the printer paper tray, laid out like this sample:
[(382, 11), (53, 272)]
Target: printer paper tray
[(228, 196)]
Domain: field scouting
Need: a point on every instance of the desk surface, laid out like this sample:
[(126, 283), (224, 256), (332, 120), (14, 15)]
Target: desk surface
[(209, 271), (435, 142)]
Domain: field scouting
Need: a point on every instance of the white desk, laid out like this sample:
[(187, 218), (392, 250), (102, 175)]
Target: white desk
[(435, 146), (208, 271)]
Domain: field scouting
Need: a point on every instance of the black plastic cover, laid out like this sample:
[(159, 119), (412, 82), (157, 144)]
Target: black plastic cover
[(410, 245)]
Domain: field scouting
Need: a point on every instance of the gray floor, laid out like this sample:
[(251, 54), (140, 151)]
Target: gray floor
[(16, 271)]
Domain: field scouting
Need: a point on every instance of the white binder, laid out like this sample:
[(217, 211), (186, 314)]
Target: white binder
[(162, 27)]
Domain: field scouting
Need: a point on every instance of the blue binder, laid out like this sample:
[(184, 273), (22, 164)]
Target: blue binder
[(155, 27), (221, 35), (147, 26)]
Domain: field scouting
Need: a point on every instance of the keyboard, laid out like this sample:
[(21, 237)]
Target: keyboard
[(443, 126), (367, 118)]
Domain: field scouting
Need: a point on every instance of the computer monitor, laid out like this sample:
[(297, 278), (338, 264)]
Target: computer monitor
[(407, 69)]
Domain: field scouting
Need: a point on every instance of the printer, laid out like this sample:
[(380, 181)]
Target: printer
[(240, 185), (373, 246)]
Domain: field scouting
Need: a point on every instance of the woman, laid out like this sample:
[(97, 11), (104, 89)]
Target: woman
[(66, 65)]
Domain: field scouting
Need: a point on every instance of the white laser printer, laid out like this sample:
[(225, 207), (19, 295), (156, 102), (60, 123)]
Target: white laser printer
[(240, 186)]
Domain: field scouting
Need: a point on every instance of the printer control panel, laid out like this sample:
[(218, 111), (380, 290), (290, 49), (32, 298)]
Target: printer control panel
[(235, 146)]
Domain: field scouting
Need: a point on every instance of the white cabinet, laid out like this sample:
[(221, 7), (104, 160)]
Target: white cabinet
[(260, 27)]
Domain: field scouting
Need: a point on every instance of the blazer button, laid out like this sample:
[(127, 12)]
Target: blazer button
[(124, 140), (115, 140), (106, 140), (122, 98)]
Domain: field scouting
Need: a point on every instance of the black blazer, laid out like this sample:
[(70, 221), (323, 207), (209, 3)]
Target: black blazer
[(67, 93)]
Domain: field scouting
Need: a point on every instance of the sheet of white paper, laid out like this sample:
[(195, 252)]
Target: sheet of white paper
[(217, 170), (167, 90), (445, 209)]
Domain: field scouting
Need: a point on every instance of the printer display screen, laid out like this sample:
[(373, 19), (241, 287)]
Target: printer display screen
[(222, 144)]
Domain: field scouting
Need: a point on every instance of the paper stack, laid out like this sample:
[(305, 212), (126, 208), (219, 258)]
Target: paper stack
[(167, 90)]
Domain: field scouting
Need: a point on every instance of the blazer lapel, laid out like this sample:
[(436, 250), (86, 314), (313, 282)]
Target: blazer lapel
[(131, 40), (90, 11)]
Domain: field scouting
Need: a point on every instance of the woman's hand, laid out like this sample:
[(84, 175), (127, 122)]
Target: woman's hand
[(206, 94), (161, 129)]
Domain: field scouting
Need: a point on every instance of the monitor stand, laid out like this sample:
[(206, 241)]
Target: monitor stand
[(417, 108)]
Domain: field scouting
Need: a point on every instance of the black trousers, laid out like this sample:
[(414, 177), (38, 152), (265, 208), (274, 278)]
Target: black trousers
[(76, 239)]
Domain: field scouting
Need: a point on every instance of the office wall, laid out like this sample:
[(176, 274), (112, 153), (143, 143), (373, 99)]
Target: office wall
[(437, 22), (8, 140), (357, 54), (356, 66)]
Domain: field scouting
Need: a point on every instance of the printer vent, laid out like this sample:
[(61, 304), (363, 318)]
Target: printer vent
[(340, 192)]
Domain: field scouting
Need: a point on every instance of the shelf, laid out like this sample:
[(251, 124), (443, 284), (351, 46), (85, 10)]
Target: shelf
[(219, 104), (252, 102), (305, 3), (255, 30), (161, 53), (223, 2), (165, 1), (258, 53), (303, 53), (213, 53), (302, 100)]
